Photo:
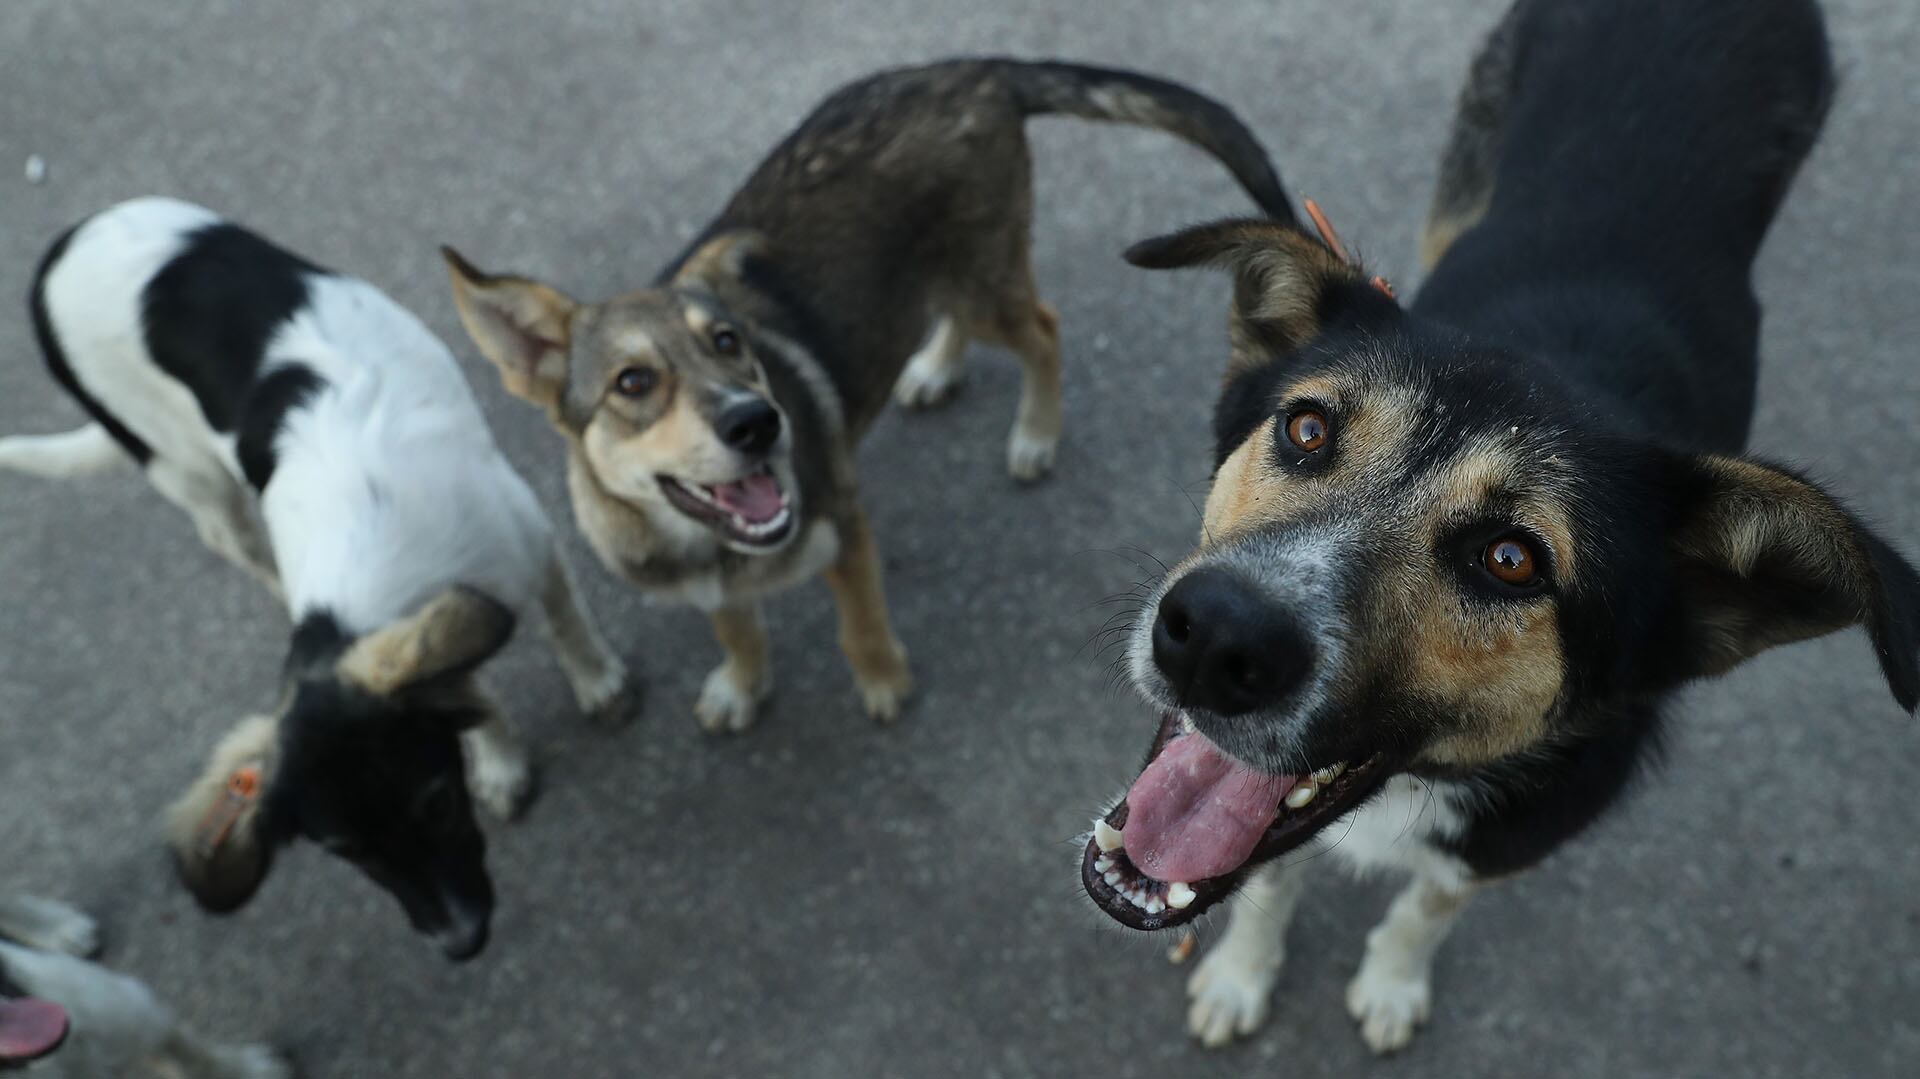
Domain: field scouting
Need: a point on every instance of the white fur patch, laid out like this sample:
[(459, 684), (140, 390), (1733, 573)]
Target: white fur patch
[(389, 487)]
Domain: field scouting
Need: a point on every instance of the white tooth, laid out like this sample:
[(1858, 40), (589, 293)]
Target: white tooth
[(1301, 795), (1328, 774), (1112, 877), (1180, 895), (1102, 864), (1156, 905), (1106, 835)]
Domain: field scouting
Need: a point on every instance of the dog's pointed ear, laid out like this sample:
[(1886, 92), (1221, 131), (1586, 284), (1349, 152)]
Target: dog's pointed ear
[(1763, 557), (1281, 280), (452, 634), (720, 258), (521, 325), (218, 831)]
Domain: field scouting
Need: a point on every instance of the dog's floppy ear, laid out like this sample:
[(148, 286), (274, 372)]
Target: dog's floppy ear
[(1763, 557), (723, 257), (521, 325), (1281, 275), (218, 831), (452, 634)]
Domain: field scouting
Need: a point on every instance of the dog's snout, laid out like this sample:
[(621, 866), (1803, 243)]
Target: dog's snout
[(1224, 647), (751, 426), (466, 935)]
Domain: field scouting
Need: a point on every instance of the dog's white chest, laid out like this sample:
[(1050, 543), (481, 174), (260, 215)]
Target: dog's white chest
[(1399, 829)]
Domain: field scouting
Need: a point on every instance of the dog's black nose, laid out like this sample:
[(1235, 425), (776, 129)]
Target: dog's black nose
[(1224, 647), (750, 426)]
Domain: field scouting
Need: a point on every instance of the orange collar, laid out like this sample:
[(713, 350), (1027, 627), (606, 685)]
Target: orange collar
[(1332, 240), (243, 790)]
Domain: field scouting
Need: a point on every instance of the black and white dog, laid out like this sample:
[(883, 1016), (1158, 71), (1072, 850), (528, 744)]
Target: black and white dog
[(404, 544), (63, 1016)]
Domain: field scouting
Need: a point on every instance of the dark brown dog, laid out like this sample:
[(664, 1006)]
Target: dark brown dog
[(711, 420)]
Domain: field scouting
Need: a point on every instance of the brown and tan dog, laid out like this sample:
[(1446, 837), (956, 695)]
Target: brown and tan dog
[(711, 419)]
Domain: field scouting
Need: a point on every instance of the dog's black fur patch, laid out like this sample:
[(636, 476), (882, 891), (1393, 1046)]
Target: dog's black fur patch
[(211, 312), (266, 407)]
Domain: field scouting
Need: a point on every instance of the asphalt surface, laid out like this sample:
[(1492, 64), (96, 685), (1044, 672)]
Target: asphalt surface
[(820, 897)]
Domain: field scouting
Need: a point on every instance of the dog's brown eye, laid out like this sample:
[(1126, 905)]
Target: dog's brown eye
[(635, 382), (1512, 561), (726, 342), (1307, 430)]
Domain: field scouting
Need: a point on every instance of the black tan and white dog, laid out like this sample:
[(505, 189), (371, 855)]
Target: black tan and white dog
[(237, 374), (1456, 556), (64, 1017), (711, 420)]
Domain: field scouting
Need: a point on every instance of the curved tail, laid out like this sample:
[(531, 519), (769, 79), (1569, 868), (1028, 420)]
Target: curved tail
[(79, 452), (1097, 93)]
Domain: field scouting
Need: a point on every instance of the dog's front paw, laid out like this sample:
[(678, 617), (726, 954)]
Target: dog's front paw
[(885, 683), (1030, 456), (613, 700), (501, 780), (49, 925), (1229, 996), (1389, 1005), (726, 705)]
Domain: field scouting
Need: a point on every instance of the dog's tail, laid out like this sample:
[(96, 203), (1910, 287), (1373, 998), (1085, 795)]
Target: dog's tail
[(1097, 93), (79, 452)]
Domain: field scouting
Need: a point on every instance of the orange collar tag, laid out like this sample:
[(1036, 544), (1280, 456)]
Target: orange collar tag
[(1332, 240), (243, 790)]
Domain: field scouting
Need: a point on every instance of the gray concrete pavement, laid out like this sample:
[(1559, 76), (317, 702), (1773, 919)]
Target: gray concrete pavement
[(821, 898)]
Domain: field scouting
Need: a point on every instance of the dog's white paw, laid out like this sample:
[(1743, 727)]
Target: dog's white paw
[(725, 706), (1030, 456), (1389, 1005), (49, 925), (500, 778), (1229, 996), (613, 699), (926, 382), (883, 696), (252, 1062)]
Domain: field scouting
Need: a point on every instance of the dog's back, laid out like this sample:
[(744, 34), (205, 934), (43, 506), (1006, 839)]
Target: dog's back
[(1613, 173)]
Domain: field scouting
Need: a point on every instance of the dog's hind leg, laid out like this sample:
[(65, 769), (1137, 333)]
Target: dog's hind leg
[(1393, 993), (79, 452), (598, 678), (222, 514), (48, 925), (1465, 189), (932, 372), (1232, 988), (730, 699), (499, 774), (1030, 329), (878, 660)]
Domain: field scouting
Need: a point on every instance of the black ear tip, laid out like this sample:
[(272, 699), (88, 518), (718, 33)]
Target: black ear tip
[(458, 263)]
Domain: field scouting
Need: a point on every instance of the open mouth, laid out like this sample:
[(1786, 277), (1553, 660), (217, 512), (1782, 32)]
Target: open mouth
[(753, 510), (1196, 821)]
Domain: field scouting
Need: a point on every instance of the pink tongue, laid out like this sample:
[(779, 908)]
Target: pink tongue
[(1197, 813), (29, 1028), (755, 499)]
